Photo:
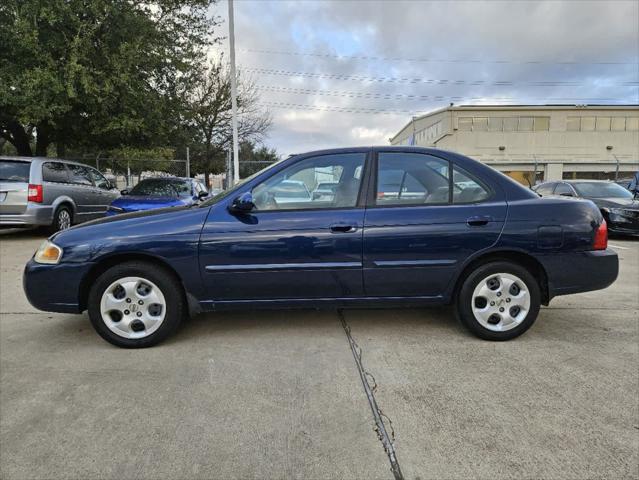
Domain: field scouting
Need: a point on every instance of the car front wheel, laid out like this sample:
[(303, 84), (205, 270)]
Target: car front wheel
[(62, 219), (499, 301), (135, 305)]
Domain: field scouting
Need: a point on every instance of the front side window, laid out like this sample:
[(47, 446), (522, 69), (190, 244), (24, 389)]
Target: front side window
[(80, 175), (55, 172), (411, 179), (466, 189), (564, 189), (297, 186), (99, 180)]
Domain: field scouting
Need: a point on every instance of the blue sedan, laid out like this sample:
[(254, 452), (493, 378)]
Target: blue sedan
[(404, 226), (158, 193)]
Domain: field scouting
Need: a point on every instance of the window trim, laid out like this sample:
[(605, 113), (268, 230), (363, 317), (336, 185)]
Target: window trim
[(371, 198), (360, 204)]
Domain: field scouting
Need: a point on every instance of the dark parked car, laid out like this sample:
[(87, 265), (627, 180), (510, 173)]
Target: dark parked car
[(159, 192), (473, 238), (618, 206), (51, 192)]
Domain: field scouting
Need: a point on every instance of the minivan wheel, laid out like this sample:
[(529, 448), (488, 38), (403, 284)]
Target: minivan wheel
[(135, 305), (499, 301), (62, 219)]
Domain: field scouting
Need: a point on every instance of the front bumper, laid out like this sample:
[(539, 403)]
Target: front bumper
[(54, 288), (33, 215), (577, 272), (626, 222)]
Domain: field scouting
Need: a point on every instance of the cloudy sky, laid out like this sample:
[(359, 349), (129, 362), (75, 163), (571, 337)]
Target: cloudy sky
[(342, 73)]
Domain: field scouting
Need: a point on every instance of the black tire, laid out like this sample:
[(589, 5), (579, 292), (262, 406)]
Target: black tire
[(59, 220), (170, 287), (465, 298)]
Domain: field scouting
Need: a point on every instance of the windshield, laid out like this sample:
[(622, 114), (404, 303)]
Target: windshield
[(162, 187), (601, 190), (11, 171), (226, 193)]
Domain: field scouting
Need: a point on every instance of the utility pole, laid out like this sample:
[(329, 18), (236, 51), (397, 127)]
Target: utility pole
[(188, 163), (236, 153)]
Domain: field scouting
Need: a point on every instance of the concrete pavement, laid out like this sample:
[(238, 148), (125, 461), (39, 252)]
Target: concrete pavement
[(277, 394)]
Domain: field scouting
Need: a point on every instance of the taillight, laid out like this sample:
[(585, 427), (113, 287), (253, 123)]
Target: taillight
[(35, 193), (601, 237)]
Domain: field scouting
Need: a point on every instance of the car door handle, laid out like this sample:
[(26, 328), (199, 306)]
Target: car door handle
[(479, 220), (342, 228)]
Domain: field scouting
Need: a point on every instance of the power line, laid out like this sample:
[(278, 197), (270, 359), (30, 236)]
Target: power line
[(401, 96), (425, 60), (353, 109), (428, 81)]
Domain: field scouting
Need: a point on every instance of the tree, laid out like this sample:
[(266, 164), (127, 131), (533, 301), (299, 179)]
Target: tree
[(103, 73), (210, 113), (254, 158)]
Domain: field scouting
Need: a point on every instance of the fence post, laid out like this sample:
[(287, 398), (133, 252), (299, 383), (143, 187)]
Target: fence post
[(188, 163)]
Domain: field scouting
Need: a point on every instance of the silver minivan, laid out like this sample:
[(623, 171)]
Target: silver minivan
[(51, 192)]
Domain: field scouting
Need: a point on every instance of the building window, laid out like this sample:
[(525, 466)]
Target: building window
[(542, 124), (573, 124), (603, 124), (632, 123), (618, 124), (480, 124), (587, 124), (495, 124), (525, 124), (465, 124), (510, 124)]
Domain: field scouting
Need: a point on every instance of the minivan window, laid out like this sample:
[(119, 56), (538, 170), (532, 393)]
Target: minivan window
[(80, 175), (11, 171), (55, 172), (99, 180), (411, 179)]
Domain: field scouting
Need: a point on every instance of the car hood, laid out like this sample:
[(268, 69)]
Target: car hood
[(616, 203)]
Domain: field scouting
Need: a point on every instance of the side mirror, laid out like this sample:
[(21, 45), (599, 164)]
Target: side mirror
[(243, 203), (202, 195), (124, 192)]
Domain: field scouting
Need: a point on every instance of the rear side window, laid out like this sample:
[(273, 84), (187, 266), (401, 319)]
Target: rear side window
[(563, 189), (11, 171), (411, 179), (80, 175), (55, 172), (467, 189)]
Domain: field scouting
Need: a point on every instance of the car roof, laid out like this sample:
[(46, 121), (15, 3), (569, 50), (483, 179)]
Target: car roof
[(42, 159)]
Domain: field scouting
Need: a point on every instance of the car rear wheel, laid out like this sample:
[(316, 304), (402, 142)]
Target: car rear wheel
[(499, 301), (62, 219), (135, 305)]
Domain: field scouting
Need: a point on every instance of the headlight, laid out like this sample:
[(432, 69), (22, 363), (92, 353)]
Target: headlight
[(617, 211), (49, 253)]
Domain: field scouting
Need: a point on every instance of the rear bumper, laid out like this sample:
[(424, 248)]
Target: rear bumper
[(33, 215), (54, 288), (580, 271)]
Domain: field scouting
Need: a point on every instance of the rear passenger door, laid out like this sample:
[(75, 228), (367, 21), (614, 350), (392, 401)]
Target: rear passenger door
[(426, 217)]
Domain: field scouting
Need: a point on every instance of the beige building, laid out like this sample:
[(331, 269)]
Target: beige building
[(558, 141)]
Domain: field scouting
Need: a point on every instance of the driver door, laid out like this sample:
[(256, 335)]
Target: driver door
[(293, 245)]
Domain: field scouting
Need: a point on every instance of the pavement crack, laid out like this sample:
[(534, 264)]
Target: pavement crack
[(383, 424)]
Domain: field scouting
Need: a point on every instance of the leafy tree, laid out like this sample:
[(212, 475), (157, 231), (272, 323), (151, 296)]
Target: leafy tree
[(98, 73), (210, 114), (254, 158)]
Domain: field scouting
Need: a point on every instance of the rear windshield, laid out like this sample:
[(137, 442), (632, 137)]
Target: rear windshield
[(11, 171)]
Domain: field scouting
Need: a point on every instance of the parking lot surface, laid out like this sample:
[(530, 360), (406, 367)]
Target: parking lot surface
[(277, 394)]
